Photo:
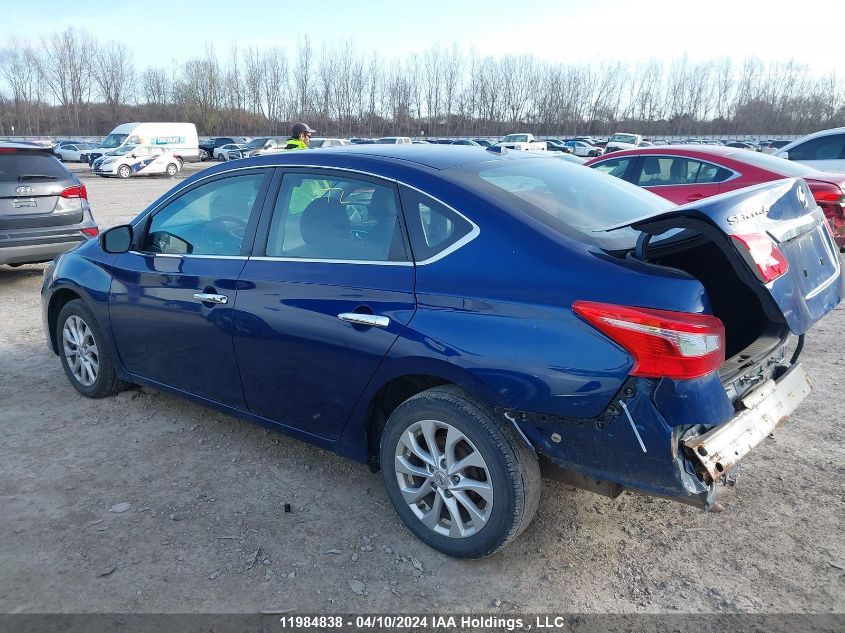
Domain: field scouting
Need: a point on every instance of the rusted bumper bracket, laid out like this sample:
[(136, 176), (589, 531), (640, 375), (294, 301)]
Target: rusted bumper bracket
[(718, 450)]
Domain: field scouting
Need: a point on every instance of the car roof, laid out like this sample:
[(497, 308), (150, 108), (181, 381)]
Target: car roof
[(434, 156)]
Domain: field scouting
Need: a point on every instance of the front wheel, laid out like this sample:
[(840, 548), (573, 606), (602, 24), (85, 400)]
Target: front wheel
[(172, 169), (461, 479), (85, 359), (124, 172)]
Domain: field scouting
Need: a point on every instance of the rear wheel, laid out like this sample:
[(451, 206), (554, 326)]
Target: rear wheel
[(85, 359), (123, 171), (172, 169), (462, 482)]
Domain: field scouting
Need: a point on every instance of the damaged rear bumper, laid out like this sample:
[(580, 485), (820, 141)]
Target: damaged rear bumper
[(715, 452)]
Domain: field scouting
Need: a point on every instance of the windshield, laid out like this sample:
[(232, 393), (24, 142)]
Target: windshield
[(576, 202), (623, 138), (387, 140), (257, 142), (774, 163), (113, 140), (515, 138), (316, 142)]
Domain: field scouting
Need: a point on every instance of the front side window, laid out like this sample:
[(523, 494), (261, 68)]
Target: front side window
[(208, 220), (335, 218)]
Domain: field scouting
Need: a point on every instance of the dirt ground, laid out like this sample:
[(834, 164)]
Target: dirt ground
[(207, 528)]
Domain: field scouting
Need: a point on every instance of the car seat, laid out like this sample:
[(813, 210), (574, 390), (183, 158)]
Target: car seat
[(324, 227), (651, 168), (382, 238)]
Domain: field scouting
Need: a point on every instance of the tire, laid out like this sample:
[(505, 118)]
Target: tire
[(172, 169), (124, 171), (501, 480), (77, 329), (221, 158)]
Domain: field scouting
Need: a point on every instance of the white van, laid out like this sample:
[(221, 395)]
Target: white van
[(180, 138)]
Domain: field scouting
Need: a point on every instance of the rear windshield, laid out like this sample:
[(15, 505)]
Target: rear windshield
[(570, 199), (20, 167), (775, 164)]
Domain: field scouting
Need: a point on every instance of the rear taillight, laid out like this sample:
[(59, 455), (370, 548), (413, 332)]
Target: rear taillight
[(77, 191), (770, 263), (676, 345), (826, 192), (91, 232)]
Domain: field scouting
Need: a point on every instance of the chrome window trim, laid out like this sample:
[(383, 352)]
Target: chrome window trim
[(308, 260), (187, 255), (469, 237)]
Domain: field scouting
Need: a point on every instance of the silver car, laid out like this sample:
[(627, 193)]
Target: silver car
[(44, 208)]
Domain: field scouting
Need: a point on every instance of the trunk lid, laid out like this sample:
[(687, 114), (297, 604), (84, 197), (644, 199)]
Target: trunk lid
[(783, 212)]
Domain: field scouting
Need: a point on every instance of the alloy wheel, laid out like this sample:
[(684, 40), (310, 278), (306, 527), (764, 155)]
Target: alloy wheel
[(80, 350), (444, 479)]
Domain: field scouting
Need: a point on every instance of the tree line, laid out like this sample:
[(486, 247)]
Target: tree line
[(70, 83)]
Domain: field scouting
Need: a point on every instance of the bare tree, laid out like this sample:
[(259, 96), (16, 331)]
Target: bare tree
[(114, 74), (66, 69), (302, 75)]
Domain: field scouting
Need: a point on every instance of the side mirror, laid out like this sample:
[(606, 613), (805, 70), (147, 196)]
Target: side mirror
[(117, 239)]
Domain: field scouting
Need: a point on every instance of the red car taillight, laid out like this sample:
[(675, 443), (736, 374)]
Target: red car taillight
[(91, 232), (826, 192), (668, 344), (770, 262), (77, 191)]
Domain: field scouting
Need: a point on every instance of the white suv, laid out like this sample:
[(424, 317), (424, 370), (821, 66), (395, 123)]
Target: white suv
[(823, 150)]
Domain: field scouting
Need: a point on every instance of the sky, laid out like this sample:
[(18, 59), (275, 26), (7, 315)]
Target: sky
[(556, 30)]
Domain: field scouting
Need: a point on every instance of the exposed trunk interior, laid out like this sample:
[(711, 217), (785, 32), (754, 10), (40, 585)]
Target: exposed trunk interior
[(750, 334)]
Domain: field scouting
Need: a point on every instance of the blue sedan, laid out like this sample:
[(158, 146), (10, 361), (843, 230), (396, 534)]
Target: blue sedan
[(462, 319)]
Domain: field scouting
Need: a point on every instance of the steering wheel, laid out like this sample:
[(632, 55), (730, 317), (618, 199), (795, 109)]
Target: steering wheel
[(224, 234)]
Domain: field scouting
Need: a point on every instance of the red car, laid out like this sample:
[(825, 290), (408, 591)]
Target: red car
[(686, 173)]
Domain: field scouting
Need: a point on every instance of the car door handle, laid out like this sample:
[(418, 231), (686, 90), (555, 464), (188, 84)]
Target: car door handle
[(371, 320), (211, 298), (694, 197)]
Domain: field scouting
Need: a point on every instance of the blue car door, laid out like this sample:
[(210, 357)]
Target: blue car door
[(329, 289), (172, 295)]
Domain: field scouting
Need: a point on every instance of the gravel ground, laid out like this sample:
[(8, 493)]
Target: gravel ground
[(147, 503)]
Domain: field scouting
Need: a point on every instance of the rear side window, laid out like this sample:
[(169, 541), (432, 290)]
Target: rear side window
[(31, 167), (657, 171), (433, 226), (322, 217), (830, 147)]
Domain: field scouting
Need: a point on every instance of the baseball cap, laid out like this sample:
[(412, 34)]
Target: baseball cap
[(299, 128)]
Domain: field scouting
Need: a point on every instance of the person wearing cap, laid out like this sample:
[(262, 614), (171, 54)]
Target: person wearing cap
[(300, 136)]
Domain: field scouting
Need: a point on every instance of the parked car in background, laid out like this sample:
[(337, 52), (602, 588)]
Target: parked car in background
[(455, 317), (584, 149), (138, 160), (522, 142), (557, 145), (328, 142), (44, 208), (464, 141), (361, 141), (823, 150), (258, 144), (72, 152), (181, 138), (688, 173), (393, 140), (741, 145), (484, 142), (623, 140), (221, 152), (208, 147), (773, 146)]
